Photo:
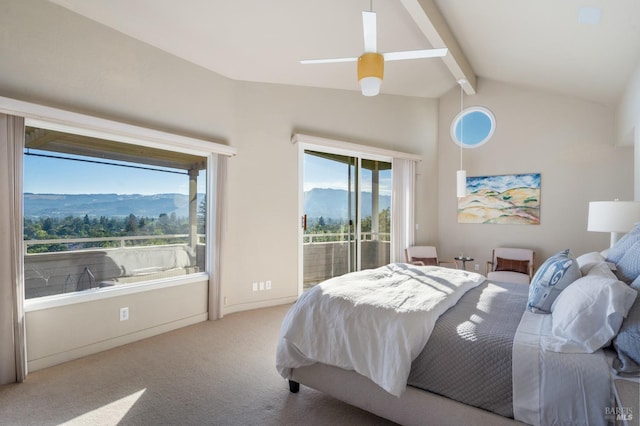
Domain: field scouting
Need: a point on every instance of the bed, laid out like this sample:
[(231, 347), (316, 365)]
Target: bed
[(478, 354)]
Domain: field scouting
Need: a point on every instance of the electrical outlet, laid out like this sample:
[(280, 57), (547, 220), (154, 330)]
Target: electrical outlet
[(261, 285), (124, 314), (477, 266), (255, 287), (268, 284)]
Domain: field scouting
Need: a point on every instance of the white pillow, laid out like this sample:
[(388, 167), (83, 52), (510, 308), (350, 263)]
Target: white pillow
[(589, 260), (589, 312)]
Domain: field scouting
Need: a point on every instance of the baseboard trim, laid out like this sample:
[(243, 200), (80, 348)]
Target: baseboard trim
[(258, 305), (51, 360)]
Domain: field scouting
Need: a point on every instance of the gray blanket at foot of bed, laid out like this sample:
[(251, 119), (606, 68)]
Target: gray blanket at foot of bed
[(468, 357)]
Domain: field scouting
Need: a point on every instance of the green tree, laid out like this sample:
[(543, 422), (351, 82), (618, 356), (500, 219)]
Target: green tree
[(47, 225), (132, 225)]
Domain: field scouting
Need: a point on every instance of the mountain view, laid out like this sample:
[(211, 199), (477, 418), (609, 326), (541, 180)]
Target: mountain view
[(318, 202), (333, 203), (108, 205)]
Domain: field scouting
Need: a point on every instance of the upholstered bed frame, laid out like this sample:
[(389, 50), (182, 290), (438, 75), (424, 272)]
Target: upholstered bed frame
[(414, 407)]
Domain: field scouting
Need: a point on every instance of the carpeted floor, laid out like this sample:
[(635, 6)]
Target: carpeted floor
[(213, 373)]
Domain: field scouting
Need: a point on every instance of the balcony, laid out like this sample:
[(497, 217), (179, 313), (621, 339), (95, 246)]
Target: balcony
[(127, 260), (134, 259), (328, 255)]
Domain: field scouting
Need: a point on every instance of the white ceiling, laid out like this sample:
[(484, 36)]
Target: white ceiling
[(533, 43)]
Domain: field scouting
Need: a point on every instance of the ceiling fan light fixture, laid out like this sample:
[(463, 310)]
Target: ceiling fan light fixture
[(370, 73)]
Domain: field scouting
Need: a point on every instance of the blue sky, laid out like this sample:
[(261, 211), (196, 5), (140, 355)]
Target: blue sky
[(323, 173), (54, 176)]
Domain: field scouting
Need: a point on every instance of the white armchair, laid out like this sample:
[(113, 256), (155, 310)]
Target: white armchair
[(426, 255), (511, 265)]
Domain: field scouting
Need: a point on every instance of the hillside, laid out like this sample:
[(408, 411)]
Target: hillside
[(108, 205), (328, 203), (333, 203)]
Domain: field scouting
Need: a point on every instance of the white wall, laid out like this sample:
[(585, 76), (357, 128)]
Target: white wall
[(636, 175), (628, 111), (55, 57), (64, 333), (628, 123), (569, 141), (262, 237)]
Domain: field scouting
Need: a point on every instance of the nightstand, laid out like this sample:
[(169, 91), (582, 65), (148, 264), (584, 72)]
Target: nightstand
[(627, 402)]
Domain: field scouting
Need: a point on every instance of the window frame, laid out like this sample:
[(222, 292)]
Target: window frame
[(63, 299), (453, 130), (70, 122), (349, 149)]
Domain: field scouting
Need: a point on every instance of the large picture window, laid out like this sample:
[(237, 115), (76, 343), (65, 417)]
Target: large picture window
[(100, 213)]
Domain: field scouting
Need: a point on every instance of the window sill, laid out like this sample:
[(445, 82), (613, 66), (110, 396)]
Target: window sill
[(58, 300)]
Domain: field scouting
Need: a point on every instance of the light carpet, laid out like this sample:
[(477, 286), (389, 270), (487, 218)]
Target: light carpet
[(212, 373)]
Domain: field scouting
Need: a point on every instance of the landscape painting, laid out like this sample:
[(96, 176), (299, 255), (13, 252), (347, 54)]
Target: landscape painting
[(502, 199)]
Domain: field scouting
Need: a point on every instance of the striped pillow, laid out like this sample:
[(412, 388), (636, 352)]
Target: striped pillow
[(628, 267), (624, 244)]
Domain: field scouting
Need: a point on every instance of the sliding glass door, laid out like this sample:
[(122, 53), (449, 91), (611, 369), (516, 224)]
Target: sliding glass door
[(346, 214), (375, 221)]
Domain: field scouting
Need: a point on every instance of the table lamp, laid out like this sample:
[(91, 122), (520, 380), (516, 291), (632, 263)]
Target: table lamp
[(617, 217)]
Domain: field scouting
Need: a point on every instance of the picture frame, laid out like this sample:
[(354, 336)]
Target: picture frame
[(512, 199)]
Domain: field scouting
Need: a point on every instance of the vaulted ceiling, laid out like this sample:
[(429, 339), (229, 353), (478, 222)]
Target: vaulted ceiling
[(549, 45)]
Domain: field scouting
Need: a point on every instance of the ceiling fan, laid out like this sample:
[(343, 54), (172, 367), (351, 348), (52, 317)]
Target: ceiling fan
[(371, 62)]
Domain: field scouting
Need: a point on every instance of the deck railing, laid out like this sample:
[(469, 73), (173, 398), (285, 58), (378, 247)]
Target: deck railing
[(344, 236), (84, 243), (128, 257), (86, 263), (325, 259)]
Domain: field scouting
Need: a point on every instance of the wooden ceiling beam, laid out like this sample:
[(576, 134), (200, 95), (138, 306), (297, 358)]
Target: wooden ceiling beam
[(428, 18)]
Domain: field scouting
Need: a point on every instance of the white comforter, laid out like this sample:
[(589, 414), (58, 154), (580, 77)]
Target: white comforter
[(375, 322)]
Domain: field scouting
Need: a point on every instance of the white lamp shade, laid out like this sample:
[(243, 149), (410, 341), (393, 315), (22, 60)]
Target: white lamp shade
[(613, 216), (370, 86), (461, 183)]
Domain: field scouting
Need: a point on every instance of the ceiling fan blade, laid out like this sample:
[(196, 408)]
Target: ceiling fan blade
[(415, 54), (327, 61), (369, 27)]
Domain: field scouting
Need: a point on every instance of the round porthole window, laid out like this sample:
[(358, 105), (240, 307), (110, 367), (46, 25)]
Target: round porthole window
[(473, 127)]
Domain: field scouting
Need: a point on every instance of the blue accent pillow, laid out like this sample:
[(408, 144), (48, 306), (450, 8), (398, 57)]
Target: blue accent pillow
[(627, 342), (624, 244), (553, 276), (628, 267)]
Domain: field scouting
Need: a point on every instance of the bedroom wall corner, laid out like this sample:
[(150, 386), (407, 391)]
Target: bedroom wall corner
[(568, 140), (636, 162), (628, 111), (628, 123)]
